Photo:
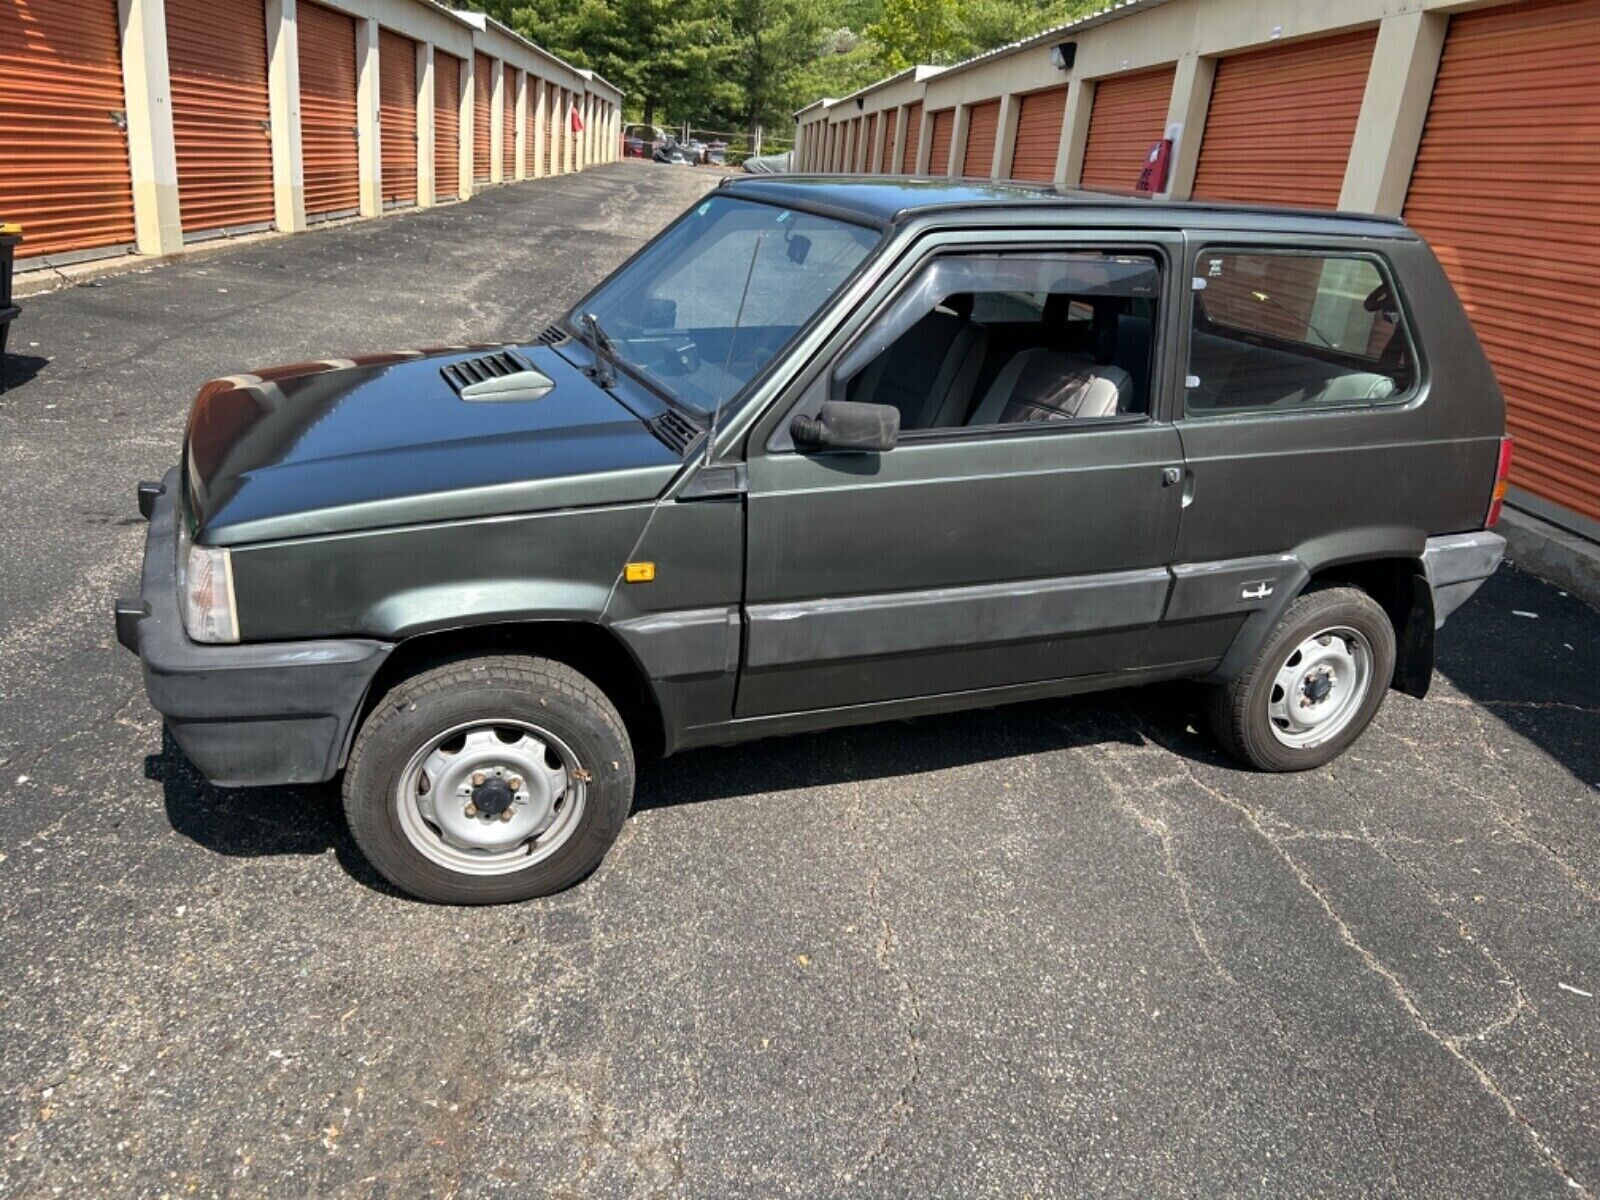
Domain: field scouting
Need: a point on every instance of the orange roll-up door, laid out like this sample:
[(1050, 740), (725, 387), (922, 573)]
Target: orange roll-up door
[(1507, 189), (549, 126), (482, 115), (1128, 117), (221, 118), (867, 163), (983, 125), (328, 112), (508, 126), (886, 160), (1281, 122), (908, 157), (397, 97), (446, 125), (944, 123), (1038, 144), (63, 154)]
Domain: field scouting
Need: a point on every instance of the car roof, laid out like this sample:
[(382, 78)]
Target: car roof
[(895, 199)]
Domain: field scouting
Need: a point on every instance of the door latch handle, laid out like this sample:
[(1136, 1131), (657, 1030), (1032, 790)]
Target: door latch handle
[(1171, 476)]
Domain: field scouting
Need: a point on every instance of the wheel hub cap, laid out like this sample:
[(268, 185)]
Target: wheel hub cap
[(490, 798), (1320, 687)]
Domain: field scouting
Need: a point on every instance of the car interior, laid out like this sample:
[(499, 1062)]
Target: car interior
[(1001, 358)]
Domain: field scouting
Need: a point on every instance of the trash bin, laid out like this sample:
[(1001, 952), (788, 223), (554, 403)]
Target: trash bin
[(10, 235)]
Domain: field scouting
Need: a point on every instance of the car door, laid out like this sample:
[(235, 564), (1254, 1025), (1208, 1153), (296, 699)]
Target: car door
[(971, 556)]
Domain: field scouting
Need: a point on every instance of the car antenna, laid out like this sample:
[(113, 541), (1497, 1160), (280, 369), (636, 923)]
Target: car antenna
[(738, 323)]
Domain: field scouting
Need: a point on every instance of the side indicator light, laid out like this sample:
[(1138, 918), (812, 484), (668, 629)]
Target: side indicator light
[(639, 572)]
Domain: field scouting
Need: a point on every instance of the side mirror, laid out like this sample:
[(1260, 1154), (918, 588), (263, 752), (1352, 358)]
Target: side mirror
[(847, 425)]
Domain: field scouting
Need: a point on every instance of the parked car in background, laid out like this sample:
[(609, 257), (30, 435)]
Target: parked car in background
[(825, 453), (671, 151), (640, 141), (717, 153)]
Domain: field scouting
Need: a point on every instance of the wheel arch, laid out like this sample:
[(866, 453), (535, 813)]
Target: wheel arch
[(586, 646)]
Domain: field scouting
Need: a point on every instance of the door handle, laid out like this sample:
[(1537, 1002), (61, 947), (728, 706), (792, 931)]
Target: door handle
[(1171, 476)]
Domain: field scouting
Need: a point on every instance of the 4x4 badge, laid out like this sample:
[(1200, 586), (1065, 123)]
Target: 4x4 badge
[(1260, 592)]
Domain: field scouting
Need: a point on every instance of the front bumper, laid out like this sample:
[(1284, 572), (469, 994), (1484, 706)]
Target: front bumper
[(250, 714)]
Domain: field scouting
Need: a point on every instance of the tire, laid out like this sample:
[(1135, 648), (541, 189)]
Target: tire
[(1242, 711), (469, 725)]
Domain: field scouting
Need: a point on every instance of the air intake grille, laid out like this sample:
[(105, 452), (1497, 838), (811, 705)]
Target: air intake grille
[(490, 366), (553, 335), (676, 430)]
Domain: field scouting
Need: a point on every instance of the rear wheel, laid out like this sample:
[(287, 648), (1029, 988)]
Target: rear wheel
[(489, 780), (1313, 687)]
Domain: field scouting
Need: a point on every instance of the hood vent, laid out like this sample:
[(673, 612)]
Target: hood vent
[(553, 335), (675, 429), (468, 371)]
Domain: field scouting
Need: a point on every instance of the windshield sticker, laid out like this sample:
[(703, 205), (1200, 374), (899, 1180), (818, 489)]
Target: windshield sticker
[(703, 209)]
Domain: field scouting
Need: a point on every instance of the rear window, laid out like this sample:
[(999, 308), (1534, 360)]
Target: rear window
[(1295, 331)]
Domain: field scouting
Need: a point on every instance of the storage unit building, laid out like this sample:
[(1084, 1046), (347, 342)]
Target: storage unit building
[(63, 152), (1507, 190), (328, 129), (221, 118), (1127, 117), (397, 90), (1281, 121), (983, 126), (1039, 117), (446, 125)]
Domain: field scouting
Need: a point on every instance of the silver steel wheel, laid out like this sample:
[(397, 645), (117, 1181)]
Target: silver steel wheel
[(491, 797), (1320, 687)]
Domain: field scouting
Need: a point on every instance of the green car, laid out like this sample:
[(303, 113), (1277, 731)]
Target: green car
[(825, 451)]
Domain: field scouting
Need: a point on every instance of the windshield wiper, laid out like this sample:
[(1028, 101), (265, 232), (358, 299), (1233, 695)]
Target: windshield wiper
[(605, 352)]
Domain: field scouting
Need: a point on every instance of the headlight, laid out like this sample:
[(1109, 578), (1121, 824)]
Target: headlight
[(205, 590)]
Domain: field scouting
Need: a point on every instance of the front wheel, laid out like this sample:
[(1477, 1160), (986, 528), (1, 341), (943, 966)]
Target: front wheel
[(1313, 687), (489, 780)]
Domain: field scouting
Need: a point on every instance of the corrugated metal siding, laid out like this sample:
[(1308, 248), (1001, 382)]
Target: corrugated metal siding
[(1507, 189), (446, 125), (1128, 117), (983, 125), (217, 58), (508, 123), (328, 110), (886, 160), (63, 159), (944, 123), (1038, 145), (908, 157), (397, 100), (482, 116), (1281, 122)]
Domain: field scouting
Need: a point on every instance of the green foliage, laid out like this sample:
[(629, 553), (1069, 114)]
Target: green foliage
[(731, 64)]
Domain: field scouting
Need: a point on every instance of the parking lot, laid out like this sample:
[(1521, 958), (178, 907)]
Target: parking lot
[(1064, 948)]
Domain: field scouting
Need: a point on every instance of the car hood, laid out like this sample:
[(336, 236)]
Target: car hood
[(347, 444)]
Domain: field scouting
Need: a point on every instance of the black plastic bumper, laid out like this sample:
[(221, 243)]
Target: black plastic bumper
[(255, 713)]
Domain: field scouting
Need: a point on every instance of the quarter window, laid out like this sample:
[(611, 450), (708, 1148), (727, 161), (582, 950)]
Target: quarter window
[(1295, 331)]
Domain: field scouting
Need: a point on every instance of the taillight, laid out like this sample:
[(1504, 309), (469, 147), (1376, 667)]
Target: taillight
[(1502, 478)]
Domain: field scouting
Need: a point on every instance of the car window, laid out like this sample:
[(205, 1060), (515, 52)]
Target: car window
[(706, 306), (1293, 331), (1010, 339)]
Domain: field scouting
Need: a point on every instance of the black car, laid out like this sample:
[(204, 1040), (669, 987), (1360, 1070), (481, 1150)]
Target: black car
[(826, 451)]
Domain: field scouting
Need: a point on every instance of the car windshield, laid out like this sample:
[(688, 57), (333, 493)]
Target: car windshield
[(704, 309)]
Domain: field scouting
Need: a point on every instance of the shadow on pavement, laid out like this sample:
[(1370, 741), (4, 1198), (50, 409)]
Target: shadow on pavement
[(18, 369), (1531, 656)]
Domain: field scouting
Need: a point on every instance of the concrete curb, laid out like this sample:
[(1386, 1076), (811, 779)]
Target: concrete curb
[(1553, 554)]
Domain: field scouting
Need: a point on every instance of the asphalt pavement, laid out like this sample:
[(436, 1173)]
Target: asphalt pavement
[(1061, 949)]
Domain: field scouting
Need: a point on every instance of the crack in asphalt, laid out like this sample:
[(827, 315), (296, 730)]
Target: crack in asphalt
[(1453, 1045)]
